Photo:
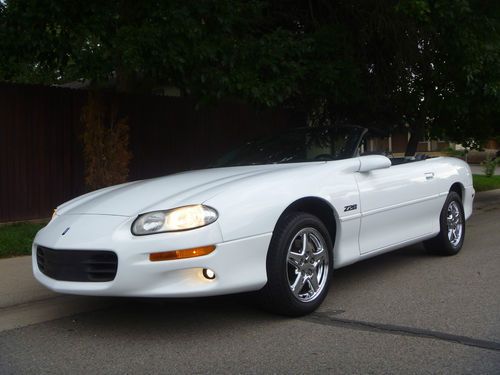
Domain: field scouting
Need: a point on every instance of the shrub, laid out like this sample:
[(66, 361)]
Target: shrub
[(489, 165), (105, 143)]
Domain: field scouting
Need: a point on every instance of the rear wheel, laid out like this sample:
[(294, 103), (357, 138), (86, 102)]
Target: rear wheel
[(450, 239), (299, 265)]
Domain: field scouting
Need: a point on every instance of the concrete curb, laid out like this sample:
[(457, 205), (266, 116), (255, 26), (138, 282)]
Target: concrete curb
[(23, 301)]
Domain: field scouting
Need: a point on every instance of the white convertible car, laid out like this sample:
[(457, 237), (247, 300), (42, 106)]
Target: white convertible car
[(276, 216)]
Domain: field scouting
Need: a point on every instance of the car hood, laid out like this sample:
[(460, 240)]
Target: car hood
[(193, 187)]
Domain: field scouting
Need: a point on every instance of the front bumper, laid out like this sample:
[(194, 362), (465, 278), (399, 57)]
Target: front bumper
[(239, 265)]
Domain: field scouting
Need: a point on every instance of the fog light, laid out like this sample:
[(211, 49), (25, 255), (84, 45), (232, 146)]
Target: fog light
[(208, 274)]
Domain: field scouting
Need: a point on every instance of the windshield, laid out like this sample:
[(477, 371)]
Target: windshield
[(297, 146)]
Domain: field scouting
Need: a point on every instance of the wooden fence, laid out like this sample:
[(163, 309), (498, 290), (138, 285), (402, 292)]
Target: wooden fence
[(41, 162)]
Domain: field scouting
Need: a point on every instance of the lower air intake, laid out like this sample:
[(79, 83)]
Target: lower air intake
[(77, 265)]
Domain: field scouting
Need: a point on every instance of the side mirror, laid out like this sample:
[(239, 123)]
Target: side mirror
[(371, 162)]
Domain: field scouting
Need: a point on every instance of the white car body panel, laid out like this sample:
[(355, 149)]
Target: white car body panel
[(388, 208), (397, 204)]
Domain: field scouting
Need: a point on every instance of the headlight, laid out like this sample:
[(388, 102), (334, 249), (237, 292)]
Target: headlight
[(177, 219)]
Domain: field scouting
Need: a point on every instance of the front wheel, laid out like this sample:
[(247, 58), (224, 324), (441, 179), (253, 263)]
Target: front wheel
[(299, 265), (450, 239)]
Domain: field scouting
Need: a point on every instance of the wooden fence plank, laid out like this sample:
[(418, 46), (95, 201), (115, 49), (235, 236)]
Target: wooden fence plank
[(41, 161)]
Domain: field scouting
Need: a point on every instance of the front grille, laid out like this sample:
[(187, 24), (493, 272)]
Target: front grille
[(77, 265)]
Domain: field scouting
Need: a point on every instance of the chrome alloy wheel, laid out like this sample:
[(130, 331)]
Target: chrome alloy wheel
[(307, 264), (455, 223)]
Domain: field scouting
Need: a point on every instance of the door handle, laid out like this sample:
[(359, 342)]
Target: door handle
[(429, 175)]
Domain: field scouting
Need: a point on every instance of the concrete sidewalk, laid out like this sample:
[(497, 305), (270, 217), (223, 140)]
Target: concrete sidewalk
[(479, 169), (23, 301), (18, 285)]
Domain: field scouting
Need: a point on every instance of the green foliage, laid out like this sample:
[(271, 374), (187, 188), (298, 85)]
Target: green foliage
[(456, 153), (16, 239), (433, 65), (483, 183), (489, 165)]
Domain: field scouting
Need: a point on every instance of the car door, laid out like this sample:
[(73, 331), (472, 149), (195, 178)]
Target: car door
[(396, 203)]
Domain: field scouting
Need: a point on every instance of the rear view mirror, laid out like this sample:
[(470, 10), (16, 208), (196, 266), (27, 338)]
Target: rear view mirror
[(372, 162)]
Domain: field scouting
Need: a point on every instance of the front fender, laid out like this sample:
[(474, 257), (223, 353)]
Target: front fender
[(252, 207)]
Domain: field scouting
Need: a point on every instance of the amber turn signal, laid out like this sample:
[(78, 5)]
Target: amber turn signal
[(181, 254)]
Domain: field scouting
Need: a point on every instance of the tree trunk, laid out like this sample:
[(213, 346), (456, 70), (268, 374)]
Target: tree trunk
[(125, 81), (411, 147)]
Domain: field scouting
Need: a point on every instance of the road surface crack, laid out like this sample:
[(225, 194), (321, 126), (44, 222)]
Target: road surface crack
[(391, 329)]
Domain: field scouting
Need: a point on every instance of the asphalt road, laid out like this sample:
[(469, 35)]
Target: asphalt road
[(403, 312)]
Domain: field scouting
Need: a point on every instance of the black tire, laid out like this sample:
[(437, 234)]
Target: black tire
[(277, 296), (442, 244)]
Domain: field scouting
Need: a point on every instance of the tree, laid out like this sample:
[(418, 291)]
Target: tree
[(208, 49), (430, 65)]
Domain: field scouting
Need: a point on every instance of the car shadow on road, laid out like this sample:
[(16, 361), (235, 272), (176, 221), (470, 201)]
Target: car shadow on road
[(376, 266), (146, 316)]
